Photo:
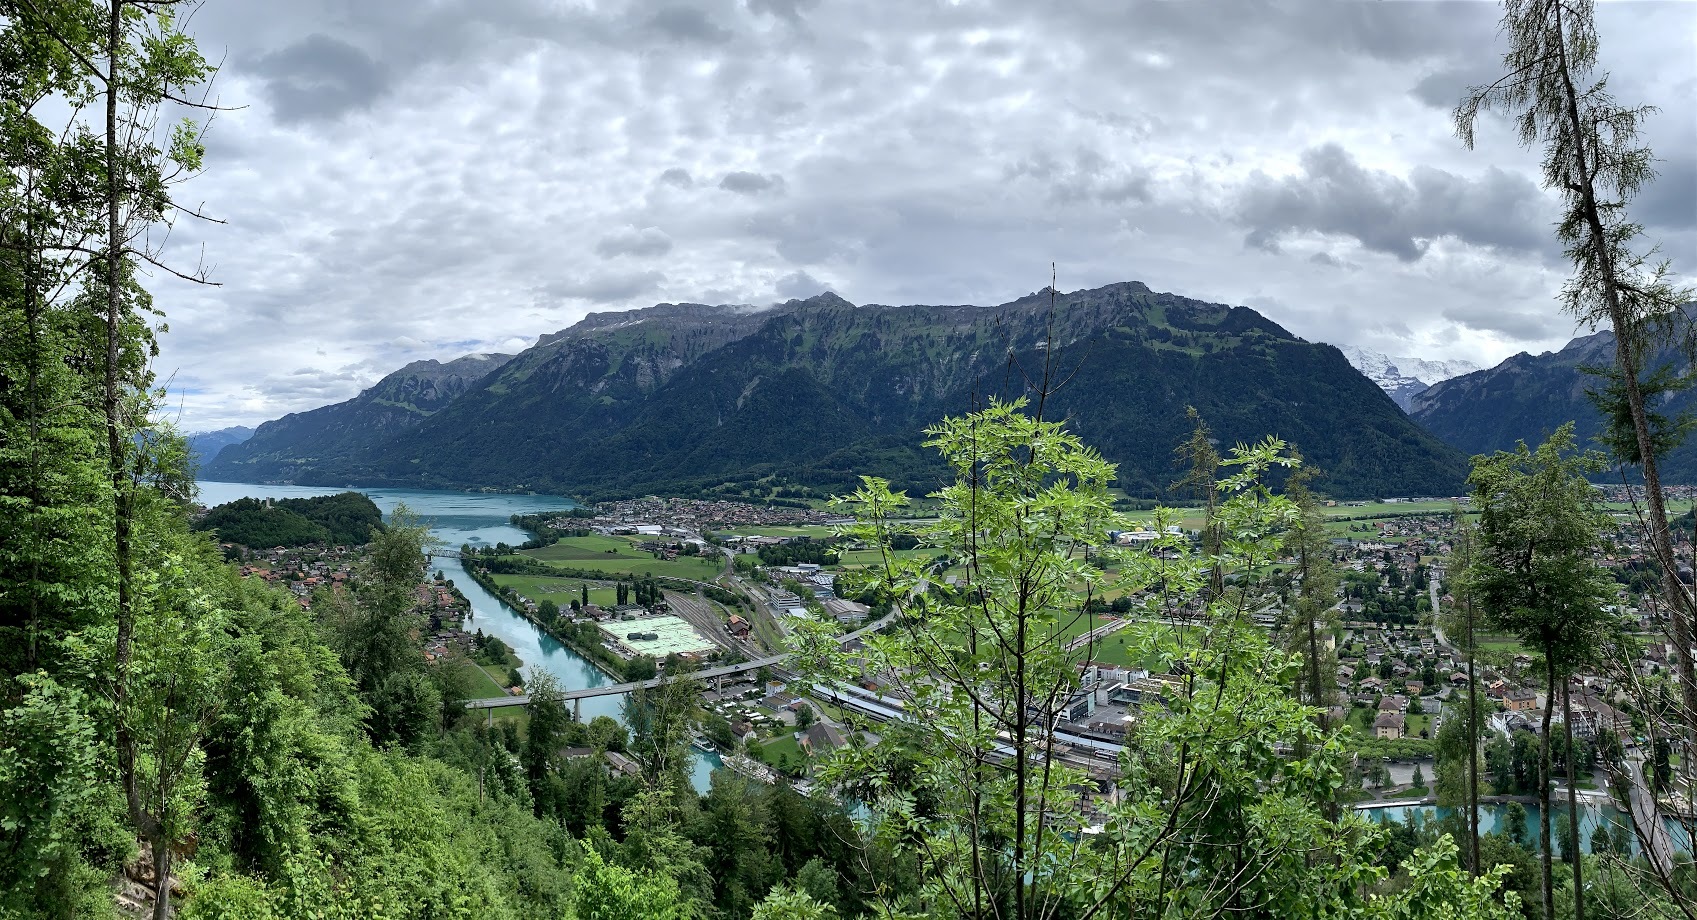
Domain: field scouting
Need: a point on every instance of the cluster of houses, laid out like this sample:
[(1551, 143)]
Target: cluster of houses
[(694, 515), (301, 569), (1404, 543), (446, 642)]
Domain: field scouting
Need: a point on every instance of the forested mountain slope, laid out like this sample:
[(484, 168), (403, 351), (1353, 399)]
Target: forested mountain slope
[(1528, 396), (807, 395), (303, 440)]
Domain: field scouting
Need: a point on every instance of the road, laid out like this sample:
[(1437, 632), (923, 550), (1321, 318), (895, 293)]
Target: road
[(1648, 819)]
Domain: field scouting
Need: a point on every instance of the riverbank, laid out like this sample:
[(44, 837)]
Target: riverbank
[(596, 654)]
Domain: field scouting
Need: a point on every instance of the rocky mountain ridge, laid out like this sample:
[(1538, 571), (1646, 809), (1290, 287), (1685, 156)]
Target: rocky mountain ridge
[(801, 398)]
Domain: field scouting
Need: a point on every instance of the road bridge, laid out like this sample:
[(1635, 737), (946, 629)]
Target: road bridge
[(729, 670)]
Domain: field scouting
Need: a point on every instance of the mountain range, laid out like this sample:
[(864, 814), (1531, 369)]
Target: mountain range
[(204, 445), (797, 400), (301, 441), (1528, 396), (1403, 377)]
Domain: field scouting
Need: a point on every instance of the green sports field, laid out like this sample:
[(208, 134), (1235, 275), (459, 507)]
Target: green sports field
[(561, 591), (619, 556)]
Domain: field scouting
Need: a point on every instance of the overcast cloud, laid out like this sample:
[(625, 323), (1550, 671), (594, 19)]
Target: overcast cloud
[(411, 180)]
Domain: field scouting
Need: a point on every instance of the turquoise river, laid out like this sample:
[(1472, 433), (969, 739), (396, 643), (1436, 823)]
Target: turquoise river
[(457, 518)]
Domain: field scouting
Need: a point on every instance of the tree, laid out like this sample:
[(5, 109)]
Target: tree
[(661, 720), (1593, 158), (1539, 527), (784, 904), (374, 630), (1463, 623), (1514, 822), (1220, 816), (115, 184), (607, 891), (1313, 611)]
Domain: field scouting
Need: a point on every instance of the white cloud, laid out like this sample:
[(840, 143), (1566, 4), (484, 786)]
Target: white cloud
[(422, 181)]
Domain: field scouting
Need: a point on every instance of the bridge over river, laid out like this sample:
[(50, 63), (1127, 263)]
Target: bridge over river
[(729, 670)]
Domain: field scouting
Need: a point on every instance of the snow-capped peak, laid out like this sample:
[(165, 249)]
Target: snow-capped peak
[(1402, 376)]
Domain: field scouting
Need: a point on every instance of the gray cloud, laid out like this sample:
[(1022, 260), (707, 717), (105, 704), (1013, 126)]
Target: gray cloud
[(649, 241), (788, 10), (1516, 324), (319, 77), (799, 285), (1336, 196), (1670, 202), (687, 24), (413, 176), (677, 178), (749, 183), (605, 288)]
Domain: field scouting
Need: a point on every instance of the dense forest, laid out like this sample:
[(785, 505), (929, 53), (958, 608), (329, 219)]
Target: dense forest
[(348, 519)]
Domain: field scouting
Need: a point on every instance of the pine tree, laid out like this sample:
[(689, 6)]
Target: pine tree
[(1594, 159)]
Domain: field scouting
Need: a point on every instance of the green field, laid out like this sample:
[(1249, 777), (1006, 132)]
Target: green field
[(619, 556), (483, 685), (1503, 644), (783, 746), (857, 558), (561, 591), (1121, 647)]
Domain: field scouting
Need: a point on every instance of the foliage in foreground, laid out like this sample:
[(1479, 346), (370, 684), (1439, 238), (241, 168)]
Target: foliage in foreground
[(1216, 812)]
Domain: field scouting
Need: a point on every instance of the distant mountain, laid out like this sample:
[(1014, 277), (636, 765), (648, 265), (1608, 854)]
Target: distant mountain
[(799, 399), (204, 445), (304, 441), (1528, 396), (1403, 377)]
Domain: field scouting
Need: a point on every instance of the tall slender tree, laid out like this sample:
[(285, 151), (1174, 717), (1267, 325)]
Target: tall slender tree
[(1595, 160), (1465, 617), (1536, 574)]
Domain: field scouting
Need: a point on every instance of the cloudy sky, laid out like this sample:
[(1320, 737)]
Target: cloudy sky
[(415, 179)]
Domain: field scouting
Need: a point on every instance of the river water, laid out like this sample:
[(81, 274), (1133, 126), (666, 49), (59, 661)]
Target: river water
[(457, 518), (1593, 815)]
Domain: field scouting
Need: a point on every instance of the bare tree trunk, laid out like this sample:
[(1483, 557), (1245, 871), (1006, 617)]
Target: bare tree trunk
[(1578, 854), (1472, 746), (148, 825), (1544, 771), (161, 877)]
